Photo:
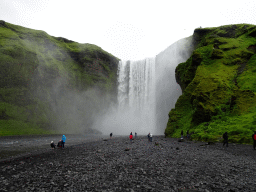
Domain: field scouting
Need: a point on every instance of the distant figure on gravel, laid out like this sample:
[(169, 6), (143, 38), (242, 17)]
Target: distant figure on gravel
[(63, 140), (111, 135), (254, 140), (131, 133), (187, 134), (225, 137), (135, 135), (181, 133), (131, 137), (52, 145), (150, 137)]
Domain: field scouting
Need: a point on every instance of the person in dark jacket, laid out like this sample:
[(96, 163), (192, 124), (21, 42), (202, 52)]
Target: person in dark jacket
[(181, 133), (254, 140), (187, 134), (111, 135), (52, 145), (59, 144), (225, 137), (149, 137)]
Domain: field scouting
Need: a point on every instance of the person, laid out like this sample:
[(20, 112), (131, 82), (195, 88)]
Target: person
[(59, 143), (150, 137), (63, 141), (225, 137), (131, 133), (181, 133), (131, 137), (187, 134), (254, 140), (52, 144), (135, 135), (111, 135)]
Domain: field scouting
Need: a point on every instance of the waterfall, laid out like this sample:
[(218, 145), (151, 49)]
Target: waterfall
[(136, 93), (147, 91)]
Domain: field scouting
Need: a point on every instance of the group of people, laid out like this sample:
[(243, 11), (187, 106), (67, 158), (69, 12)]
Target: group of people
[(225, 138), (61, 143), (188, 135)]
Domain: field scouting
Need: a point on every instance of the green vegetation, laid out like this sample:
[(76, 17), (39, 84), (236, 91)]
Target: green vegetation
[(218, 83), (33, 64)]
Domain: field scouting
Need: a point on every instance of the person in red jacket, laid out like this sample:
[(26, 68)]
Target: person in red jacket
[(131, 136), (254, 140)]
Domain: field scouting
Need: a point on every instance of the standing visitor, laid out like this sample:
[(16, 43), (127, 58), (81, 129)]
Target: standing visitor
[(135, 135), (225, 137), (181, 133), (131, 138), (111, 135), (63, 141), (254, 140), (187, 134), (150, 137), (131, 133)]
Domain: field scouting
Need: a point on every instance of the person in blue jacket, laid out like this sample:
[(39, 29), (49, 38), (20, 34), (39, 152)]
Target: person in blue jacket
[(63, 140)]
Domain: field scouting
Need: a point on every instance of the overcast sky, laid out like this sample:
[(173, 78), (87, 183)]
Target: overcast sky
[(127, 29)]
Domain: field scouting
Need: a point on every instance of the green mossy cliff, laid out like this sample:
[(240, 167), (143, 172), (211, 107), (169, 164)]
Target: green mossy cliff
[(218, 83), (40, 74)]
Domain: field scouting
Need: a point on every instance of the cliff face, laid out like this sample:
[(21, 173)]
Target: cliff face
[(51, 82), (218, 84)]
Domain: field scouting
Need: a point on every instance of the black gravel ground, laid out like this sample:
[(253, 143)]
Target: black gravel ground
[(118, 165)]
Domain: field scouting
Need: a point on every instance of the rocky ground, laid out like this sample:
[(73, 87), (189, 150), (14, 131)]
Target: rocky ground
[(118, 165)]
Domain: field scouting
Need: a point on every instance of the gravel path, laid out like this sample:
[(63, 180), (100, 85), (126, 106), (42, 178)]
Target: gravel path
[(118, 165)]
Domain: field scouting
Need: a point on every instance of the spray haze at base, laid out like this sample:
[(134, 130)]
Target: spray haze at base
[(147, 91)]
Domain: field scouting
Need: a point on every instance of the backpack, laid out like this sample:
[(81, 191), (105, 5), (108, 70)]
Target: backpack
[(254, 137)]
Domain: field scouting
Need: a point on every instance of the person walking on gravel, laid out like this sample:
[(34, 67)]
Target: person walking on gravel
[(63, 141), (131, 137), (111, 135), (225, 137), (149, 137), (254, 140)]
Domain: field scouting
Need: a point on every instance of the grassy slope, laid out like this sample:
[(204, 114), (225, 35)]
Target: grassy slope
[(31, 62), (219, 86)]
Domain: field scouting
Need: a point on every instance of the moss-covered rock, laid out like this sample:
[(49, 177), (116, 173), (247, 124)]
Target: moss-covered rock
[(38, 71), (218, 84)]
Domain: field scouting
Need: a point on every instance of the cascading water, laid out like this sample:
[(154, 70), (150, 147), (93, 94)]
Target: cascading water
[(136, 93), (147, 91)]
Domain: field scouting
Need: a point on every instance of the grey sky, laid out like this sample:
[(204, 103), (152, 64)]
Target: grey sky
[(127, 29)]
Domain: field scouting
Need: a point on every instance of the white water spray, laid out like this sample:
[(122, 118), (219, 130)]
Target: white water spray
[(147, 91)]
